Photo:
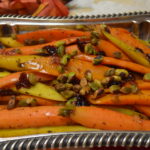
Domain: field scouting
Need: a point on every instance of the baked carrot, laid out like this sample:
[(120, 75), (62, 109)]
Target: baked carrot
[(117, 62), (27, 117), (128, 38), (80, 67), (106, 119), (49, 66), (14, 77), (143, 84), (143, 109), (120, 99), (110, 49), (40, 101), (35, 49), (51, 35)]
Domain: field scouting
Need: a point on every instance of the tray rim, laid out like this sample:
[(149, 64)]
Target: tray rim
[(73, 20), (77, 139)]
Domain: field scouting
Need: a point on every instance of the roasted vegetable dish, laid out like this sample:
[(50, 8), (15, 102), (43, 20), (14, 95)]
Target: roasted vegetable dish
[(88, 78)]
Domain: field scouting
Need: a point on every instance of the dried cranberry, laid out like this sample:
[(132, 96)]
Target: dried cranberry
[(51, 50), (23, 81), (81, 45), (81, 101)]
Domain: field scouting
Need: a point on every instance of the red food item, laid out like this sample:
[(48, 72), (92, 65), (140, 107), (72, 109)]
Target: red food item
[(37, 7)]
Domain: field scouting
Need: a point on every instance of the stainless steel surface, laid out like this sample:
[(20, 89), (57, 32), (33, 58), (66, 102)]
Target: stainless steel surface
[(138, 23)]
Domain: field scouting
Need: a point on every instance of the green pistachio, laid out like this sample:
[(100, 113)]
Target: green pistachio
[(110, 72), (121, 72), (125, 90), (88, 75), (83, 82), (67, 94), (70, 76), (94, 34), (64, 60), (114, 88), (94, 41), (60, 87), (68, 86), (88, 49), (97, 60), (146, 77), (134, 89), (95, 85), (76, 88), (61, 51), (116, 78), (85, 90)]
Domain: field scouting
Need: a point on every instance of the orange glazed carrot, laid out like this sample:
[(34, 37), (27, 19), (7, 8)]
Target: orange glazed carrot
[(49, 65), (128, 38), (51, 35), (117, 62), (143, 109), (46, 65), (35, 49), (27, 117), (119, 99), (106, 119), (40, 101), (110, 49), (80, 67)]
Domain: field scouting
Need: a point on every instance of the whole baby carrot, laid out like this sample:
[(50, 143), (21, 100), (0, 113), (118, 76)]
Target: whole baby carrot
[(107, 119), (27, 117)]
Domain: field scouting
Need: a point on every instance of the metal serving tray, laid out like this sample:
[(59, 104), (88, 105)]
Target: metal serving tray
[(138, 23)]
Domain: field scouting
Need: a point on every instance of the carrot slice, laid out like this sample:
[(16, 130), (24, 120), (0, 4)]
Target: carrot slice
[(51, 35), (110, 49), (49, 66), (106, 119), (27, 117), (116, 62), (119, 99)]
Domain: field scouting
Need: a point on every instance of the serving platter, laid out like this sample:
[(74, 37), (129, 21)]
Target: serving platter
[(136, 22)]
